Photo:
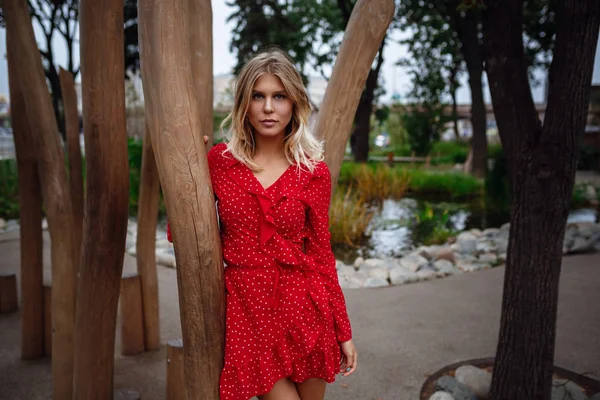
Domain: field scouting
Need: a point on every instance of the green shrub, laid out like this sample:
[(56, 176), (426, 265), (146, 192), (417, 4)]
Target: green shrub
[(9, 189)]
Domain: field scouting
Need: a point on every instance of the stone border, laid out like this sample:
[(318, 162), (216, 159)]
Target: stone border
[(591, 385)]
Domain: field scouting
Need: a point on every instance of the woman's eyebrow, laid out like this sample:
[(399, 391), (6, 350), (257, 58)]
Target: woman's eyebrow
[(274, 92)]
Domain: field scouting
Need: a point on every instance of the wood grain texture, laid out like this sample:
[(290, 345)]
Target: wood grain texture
[(55, 190), (146, 243), (69, 99), (368, 24), (30, 219), (176, 389), (47, 295), (8, 293), (174, 124), (201, 51), (107, 196), (132, 321)]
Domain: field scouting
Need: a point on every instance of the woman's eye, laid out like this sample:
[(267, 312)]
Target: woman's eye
[(257, 96), (279, 96)]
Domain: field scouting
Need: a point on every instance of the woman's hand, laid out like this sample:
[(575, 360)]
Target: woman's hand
[(349, 358), (205, 139)]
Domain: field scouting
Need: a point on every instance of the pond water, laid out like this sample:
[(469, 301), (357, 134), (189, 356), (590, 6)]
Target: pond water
[(397, 226)]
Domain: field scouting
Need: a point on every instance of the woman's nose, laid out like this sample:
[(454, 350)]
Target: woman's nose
[(268, 105)]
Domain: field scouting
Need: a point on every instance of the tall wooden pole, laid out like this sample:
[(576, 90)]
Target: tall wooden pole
[(146, 243), (107, 197), (363, 36), (30, 204), (55, 190), (69, 97), (174, 124), (201, 50)]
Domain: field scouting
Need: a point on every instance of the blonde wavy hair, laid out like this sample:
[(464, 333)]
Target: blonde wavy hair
[(300, 146)]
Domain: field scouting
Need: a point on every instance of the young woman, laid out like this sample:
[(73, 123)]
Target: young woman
[(287, 330)]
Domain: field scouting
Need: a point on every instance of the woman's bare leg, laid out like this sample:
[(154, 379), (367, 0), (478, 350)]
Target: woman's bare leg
[(312, 389), (284, 389)]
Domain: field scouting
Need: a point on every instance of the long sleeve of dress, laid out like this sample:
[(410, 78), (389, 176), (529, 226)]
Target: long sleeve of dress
[(318, 246)]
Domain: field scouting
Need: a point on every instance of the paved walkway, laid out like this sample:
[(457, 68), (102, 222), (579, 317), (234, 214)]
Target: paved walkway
[(402, 333)]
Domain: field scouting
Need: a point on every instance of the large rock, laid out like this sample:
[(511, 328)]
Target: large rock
[(477, 379), (346, 271), (445, 267), (374, 282), (358, 262), (400, 276), (446, 254), (563, 389), (426, 274), (382, 273), (441, 396), (466, 242), (374, 263), (413, 262), (2, 224), (458, 390)]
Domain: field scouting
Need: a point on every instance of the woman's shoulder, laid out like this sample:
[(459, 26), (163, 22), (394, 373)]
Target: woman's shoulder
[(217, 156), (321, 170)]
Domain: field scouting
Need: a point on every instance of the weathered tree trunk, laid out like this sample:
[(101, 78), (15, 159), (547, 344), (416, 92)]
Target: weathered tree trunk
[(542, 162), (55, 190), (364, 33), (30, 204), (146, 243), (468, 30), (69, 100), (107, 197), (362, 118), (174, 123), (201, 50)]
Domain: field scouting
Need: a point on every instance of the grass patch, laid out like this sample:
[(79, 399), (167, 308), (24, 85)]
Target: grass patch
[(349, 217), (454, 185)]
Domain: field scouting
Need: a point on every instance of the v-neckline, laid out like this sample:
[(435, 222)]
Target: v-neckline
[(272, 184)]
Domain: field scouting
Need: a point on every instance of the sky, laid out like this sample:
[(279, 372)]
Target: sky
[(396, 78)]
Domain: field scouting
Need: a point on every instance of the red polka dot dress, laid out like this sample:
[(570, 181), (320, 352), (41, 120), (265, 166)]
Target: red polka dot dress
[(285, 311)]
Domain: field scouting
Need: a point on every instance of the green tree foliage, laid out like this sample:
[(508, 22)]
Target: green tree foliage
[(259, 24)]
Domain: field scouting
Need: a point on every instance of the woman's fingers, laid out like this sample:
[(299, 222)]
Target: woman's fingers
[(350, 364), (205, 139)]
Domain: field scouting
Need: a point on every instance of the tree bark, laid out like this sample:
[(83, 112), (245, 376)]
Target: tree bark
[(468, 31), (174, 123), (107, 197), (364, 34), (55, 192), (362, 118), (146, 243), (542, 163), (30, 216), (69, 100)]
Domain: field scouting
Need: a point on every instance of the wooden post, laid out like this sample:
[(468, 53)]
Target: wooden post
[(364, 33), (8, 293), (146, 244), (55, 189), (174, 124), (107, 196), (47, 316), (175, 371), (69, 97), (201, 51), (30, 205), (132, 323)]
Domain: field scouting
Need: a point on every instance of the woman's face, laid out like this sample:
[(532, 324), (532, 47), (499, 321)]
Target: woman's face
[(270, 109)]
